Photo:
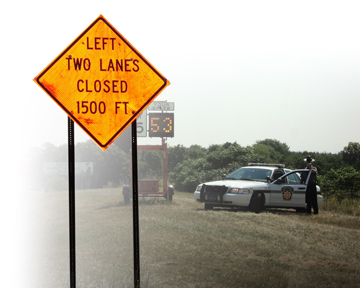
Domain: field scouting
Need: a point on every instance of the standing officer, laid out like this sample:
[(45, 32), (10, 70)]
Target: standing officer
[(311, 193)]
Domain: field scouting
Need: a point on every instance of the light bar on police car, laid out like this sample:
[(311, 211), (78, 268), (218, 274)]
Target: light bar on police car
[(267, 164)]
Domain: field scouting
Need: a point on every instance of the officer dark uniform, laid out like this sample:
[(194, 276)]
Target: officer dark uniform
[(311, 193)]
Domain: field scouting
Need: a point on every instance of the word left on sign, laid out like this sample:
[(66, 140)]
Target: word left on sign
[(102, 82), (99, 43)]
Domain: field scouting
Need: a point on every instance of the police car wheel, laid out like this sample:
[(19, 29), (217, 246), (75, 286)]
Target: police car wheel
[(257, 202)]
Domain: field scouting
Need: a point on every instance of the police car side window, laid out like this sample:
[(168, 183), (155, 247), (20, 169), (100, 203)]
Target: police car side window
[(277, 174), (293, 179)]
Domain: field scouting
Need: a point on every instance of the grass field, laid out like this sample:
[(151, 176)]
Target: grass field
[(183, 245)]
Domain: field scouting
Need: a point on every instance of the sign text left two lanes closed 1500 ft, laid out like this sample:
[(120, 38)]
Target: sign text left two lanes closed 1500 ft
[(102, 82)]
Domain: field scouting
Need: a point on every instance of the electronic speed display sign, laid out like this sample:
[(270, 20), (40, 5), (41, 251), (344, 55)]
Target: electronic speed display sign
[(102, 82), (161, 125)]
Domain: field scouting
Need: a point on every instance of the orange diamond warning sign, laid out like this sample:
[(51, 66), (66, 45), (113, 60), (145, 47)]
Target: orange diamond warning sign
[(102, 82)]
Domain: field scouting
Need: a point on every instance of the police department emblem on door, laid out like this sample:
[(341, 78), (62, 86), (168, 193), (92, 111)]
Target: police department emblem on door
[(287, 193)]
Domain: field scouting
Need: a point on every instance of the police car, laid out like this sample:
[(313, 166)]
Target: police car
[(258, 186)]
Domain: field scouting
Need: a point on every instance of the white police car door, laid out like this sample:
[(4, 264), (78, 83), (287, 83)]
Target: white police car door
[(288, 191)]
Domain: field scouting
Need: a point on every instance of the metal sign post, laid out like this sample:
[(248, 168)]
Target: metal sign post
[(136, 237), (71, 152)]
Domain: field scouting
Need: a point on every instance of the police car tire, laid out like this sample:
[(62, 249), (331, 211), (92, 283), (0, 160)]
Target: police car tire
[(257, 202)]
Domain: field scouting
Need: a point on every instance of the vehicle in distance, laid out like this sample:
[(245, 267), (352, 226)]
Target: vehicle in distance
[(258, 186)]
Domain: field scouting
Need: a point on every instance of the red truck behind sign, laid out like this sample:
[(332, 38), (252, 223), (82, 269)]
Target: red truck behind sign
[(150, 188)]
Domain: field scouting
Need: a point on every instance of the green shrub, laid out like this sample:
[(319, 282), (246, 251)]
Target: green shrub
[(343, 183)]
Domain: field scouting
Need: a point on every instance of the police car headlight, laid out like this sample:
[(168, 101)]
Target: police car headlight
[(239, 191), (198, 188), (233, 190)]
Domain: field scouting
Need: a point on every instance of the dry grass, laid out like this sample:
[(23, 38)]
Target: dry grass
[(346, 206), (183, 245)]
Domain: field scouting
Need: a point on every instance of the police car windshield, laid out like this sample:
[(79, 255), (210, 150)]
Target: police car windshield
[(250, 174)]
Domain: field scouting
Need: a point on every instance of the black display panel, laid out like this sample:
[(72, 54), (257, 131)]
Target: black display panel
[(161, 125)]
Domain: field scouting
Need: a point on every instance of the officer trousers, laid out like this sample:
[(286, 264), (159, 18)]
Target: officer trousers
[(311, 199)]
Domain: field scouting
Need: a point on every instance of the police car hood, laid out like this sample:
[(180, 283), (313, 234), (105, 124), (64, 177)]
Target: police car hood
[(238, 184)]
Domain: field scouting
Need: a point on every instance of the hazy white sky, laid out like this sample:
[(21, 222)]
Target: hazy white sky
[(239, 70)]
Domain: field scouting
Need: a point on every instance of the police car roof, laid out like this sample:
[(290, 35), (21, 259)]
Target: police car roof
[(267, 165)]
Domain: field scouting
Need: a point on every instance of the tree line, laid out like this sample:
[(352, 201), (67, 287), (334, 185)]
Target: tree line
[(339, 172)]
